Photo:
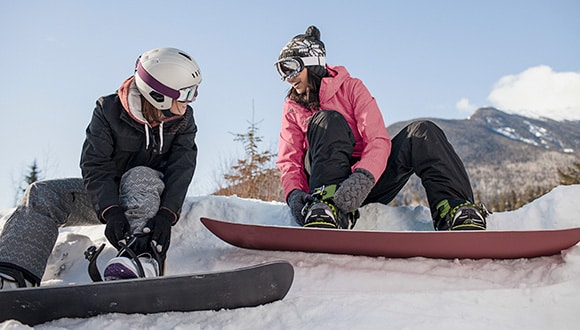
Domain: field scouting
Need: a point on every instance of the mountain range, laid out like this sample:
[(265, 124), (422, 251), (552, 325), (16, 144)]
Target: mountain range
[(504, 153)]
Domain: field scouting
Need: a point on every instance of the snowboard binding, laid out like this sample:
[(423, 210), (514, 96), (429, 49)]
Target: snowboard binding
[(321, 211), (92, 254)]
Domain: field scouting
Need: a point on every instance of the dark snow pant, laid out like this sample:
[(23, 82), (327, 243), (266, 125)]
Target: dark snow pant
[(421, 148), (31, 231)]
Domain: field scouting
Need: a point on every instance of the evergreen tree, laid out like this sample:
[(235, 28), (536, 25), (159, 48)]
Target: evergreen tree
[(34, 174), (254, 176)]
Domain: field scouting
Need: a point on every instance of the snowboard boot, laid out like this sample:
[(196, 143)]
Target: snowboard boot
[(322, 213), (120, 268), (460, 215), (12, 279)]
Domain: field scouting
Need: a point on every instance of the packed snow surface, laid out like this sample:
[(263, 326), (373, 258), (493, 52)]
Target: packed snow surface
[(354, 292)]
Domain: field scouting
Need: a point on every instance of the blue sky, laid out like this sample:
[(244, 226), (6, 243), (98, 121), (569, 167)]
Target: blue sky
[(418, 58)]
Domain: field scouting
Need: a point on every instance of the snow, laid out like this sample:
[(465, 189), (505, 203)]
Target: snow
[(511, 133), (542, 135), (348, 292)]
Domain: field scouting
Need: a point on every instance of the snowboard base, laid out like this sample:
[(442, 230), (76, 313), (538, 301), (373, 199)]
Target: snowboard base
[(243, 287)]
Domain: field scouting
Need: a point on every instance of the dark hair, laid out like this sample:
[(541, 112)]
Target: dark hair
[(310, 100)]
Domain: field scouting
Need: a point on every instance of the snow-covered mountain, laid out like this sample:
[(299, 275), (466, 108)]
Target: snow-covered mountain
[(562, 136), (504, 152)]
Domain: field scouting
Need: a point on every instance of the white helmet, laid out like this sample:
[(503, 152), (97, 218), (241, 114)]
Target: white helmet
[(165, 74)]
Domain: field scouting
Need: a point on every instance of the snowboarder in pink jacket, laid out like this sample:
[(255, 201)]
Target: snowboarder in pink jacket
[(335, 153)]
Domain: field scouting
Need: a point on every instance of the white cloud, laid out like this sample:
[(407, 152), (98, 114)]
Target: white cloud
[(539, 92), (463, 105)]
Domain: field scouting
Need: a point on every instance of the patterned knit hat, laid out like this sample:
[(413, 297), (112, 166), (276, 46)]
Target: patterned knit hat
[(307, 45)]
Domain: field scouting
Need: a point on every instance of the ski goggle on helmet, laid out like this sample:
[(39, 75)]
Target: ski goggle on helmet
[(166, 74), (291, 67)]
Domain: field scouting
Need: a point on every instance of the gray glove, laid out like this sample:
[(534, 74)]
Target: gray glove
[(296, 201), (354, 190)]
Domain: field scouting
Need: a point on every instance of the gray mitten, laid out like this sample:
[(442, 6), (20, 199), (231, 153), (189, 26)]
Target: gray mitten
[(352, 192), (296, 201)]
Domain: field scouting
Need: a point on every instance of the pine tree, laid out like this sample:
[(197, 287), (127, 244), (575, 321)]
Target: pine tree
[(34, 174), (253, 176)]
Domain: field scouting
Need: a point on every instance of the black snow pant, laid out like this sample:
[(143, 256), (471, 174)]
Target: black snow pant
[(31, 231), (420, 148)]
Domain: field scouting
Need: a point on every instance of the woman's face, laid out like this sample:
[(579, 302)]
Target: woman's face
[(178, 108), (300, 82)]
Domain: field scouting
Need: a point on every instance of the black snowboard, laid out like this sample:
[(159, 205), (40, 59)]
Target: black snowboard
[(243, 287)]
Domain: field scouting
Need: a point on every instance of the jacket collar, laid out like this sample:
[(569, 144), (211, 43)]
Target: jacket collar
[(331, 84)]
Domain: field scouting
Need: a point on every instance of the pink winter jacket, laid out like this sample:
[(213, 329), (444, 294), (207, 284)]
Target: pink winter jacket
[(350, 97)]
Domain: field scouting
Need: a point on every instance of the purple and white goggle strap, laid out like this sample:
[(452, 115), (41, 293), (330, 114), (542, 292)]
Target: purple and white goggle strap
[(186, 94)]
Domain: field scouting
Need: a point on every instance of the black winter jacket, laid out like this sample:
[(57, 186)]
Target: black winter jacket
[(115, 143)]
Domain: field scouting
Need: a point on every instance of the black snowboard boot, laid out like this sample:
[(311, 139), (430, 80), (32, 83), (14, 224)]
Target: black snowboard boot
[(323, 213), (460, 215)]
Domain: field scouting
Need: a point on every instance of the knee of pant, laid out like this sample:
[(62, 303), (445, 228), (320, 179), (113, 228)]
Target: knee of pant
[(325, 117), (46, 198), (141, 180), (142, 172), (143, 175), (140, 168), (422, 128), (37, 192), (329, 123)]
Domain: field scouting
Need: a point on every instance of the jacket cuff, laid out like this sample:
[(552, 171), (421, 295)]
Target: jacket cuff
[(166, 212), (108, 209)]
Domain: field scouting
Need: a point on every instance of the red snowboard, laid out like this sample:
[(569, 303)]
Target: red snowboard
[(445, 244)]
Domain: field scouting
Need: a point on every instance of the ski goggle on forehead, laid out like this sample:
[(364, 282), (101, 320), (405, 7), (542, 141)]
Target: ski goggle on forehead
[(187, 94), (289, 68)]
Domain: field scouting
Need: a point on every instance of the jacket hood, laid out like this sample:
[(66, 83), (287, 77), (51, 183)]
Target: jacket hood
[(331, 84), (131, 100)]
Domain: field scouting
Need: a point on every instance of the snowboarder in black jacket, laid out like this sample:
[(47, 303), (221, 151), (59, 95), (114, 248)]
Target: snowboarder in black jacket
[(137, 161)]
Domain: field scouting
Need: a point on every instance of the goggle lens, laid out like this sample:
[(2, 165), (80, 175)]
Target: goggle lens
[(289, 68), (187, 94)]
